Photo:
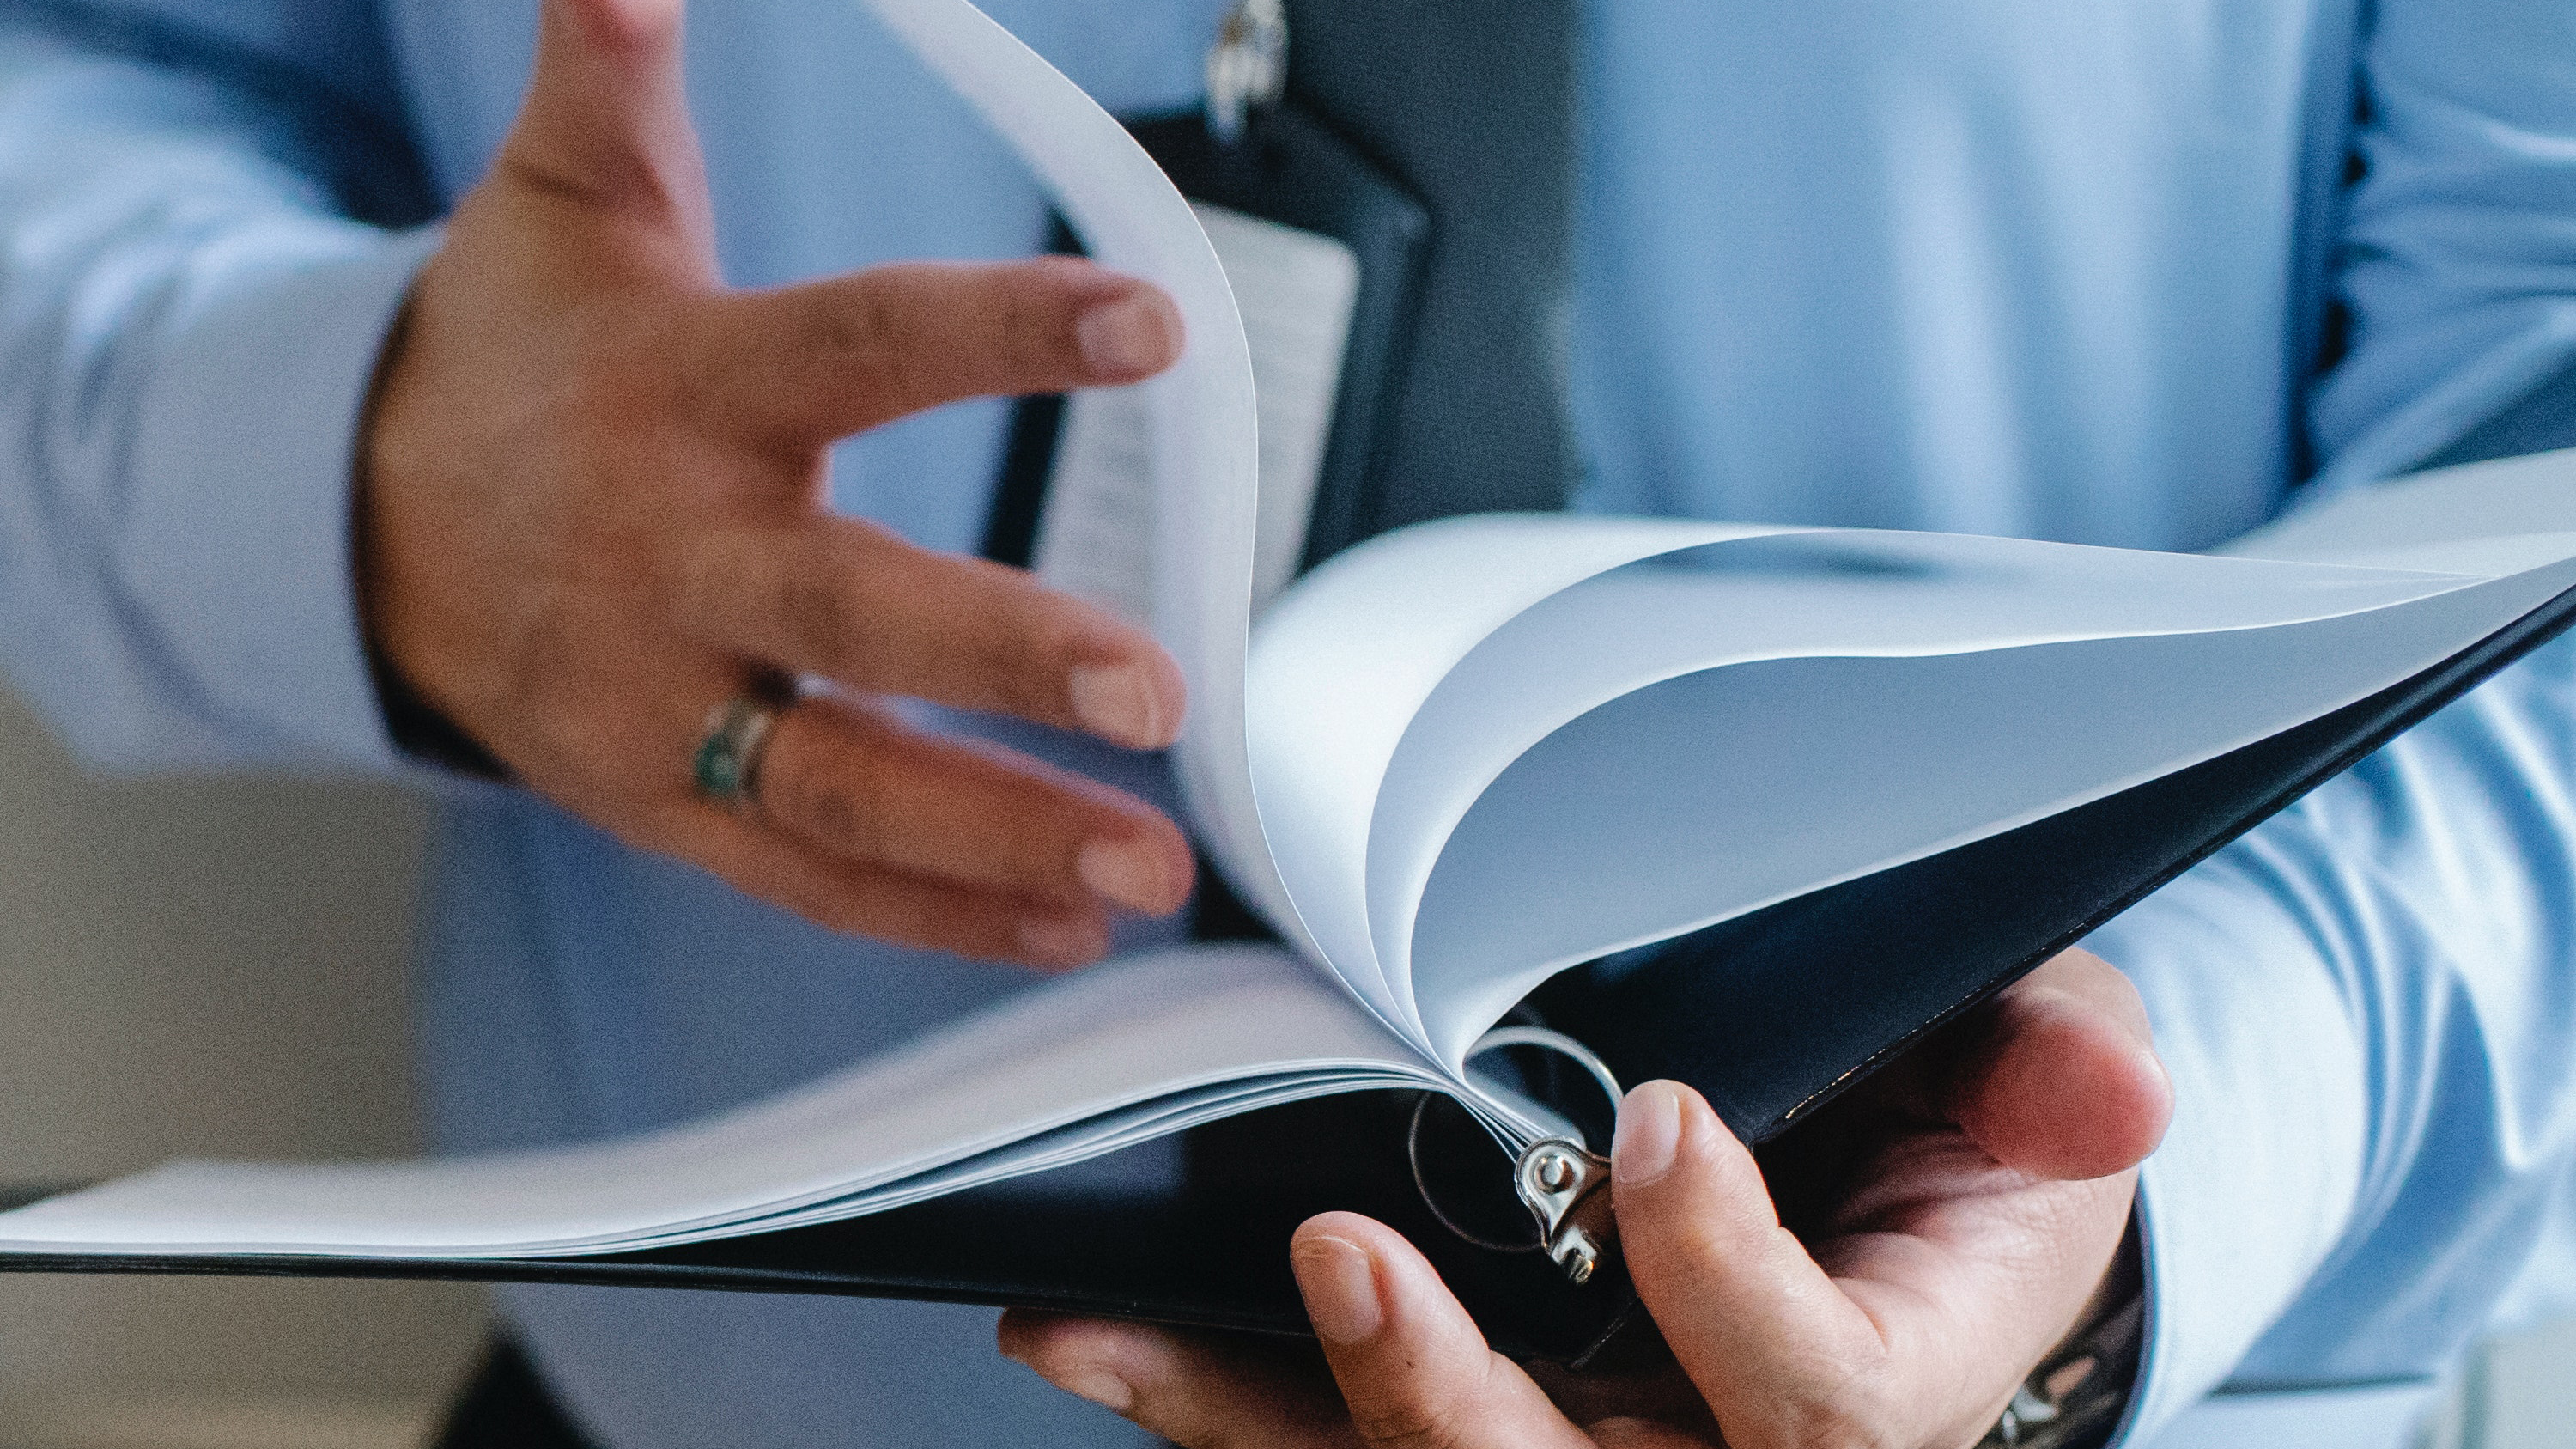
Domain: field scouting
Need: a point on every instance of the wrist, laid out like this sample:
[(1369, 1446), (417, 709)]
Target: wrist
[(416, 726), (2073, 1398)]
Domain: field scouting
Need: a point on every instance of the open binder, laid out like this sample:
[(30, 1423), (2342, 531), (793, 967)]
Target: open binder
[(1751, 807)]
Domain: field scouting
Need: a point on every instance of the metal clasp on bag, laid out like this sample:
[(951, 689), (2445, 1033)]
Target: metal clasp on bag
[(1247, 67)]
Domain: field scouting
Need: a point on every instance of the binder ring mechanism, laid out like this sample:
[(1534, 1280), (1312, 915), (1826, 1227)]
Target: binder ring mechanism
[(1563, 1183)]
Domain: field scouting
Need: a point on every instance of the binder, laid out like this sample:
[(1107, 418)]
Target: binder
[(1815, 995)]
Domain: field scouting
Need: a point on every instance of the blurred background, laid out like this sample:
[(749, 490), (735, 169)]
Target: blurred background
[(216, 968), (207, 968)]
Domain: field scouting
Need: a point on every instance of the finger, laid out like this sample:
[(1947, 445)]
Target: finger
[(1412, 1366), (1650, 1387), (606, 122), (849, 601), (2059, 1078), (883, 904), (806, 364), (1774, 1346), (1197, 1391), (856, 783)]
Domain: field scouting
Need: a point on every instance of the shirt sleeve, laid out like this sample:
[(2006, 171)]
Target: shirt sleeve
[(2457, 272), (2366, 1004), (189, 319)]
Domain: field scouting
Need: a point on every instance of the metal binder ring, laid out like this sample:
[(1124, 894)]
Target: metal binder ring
[(1557, 1042), (1495, 1040)]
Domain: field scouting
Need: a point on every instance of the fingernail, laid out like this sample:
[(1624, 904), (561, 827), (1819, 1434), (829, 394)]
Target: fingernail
[(1126, 338), (1340, 1286), (1650, 1132), (1129, 873), (1118, 702), (1097, 1382), (1062, 940)]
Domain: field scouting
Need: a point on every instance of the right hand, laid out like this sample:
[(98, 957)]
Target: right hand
[(593, 510), (1887, 1279)]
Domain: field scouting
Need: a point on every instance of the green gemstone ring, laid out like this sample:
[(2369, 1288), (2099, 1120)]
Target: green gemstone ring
[(727, 763)]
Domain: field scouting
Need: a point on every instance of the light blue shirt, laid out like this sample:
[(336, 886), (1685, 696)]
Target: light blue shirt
[(2015, 267)]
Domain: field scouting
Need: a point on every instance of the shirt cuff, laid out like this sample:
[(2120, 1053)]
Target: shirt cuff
[(235, 551), (2256, 1178)]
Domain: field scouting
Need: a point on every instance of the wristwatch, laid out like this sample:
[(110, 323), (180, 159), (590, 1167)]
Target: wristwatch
[(2074, 1398)]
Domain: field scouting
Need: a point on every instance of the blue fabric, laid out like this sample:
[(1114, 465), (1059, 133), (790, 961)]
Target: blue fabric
[(2010, 267)]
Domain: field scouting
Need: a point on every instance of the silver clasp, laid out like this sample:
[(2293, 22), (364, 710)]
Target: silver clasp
[(1567, 1188), (1247, 67), (1563, 1185)]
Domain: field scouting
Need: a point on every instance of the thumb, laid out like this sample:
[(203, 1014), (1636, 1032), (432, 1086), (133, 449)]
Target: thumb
[(605, 126), (1779, 1352), (2061, 1080)]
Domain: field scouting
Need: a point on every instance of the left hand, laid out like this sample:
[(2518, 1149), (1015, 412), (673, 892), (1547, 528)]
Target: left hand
[(1915, 1250), (594, 508)]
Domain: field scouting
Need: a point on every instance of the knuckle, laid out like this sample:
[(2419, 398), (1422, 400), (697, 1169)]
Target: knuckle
[(1406, 1424), (853, 336), (1011, 326), (910, 334), (1037, 330), (853, 907), (867, 334), (584, 173), (1027, 652), (822, 784), (564, 181), (826, 614)]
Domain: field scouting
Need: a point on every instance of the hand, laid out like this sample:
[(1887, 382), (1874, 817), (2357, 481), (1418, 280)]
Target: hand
[(1934, 1234), (593, 510)]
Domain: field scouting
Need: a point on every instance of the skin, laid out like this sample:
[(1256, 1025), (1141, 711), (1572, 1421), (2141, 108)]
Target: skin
[(593, 506), (1884, 1278)]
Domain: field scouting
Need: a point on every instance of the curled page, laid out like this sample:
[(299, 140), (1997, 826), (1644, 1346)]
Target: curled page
[(1490, 748), (1206, 442)]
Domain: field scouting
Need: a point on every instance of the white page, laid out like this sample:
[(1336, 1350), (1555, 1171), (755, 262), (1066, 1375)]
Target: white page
[(1095, 536), (1564, 870), (1811, 593), (2502, 511), (1296, 290), (1467, 641), (1636, 823), (1206, 449), (1347, 657), (1154, 1029)]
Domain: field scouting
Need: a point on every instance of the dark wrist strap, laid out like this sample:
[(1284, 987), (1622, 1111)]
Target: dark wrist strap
[(420, 731)]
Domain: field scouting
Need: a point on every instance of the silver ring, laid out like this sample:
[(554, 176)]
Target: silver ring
[(726, 765), (1555, 1041), (1431, 1200), (1499, 1037)]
